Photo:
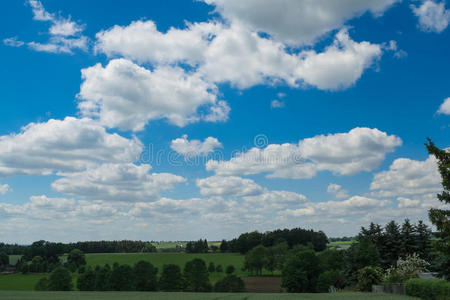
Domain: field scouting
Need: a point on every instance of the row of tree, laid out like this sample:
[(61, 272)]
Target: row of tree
[(296, 236), (143, 276), (200, 246)]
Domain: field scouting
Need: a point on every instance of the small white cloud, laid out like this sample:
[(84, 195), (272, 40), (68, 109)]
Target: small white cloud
[(445, 107), (4, 188), (277, 104), (13, 42), (194, 147), (228, 186), (337, 190), (433, 17)]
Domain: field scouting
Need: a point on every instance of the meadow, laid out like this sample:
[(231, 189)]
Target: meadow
[(191, 296)]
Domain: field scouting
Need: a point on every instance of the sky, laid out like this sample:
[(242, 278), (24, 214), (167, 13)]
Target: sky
[(180, 120)]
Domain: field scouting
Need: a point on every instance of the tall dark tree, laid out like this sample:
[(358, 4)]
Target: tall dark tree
[(441, 217), (256, 259), (301, 272), (102, 278), (423, 240), (196, 276), (171, 279), (86, 280), (392, 244), (408, 239), (60, 280), (145, 274), (4, 259), (76, 259), (122, 278), (224, 246)]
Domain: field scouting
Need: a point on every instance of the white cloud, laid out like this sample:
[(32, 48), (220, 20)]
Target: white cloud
[(361, 149), (296, 21), (273, 201), (127, 96), (63, 145), (407, 177), (194, 147), (433, 17), (445, 107), (64, 34), (228, 186), (407, 203), (141, 41), (277, 104), (47, 204), (337, 190), (117, 182), (13, 42), (4, 188)]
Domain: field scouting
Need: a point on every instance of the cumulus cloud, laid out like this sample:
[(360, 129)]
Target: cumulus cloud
[(4, 188), (407, 177), (277, 104), (117, 182), (445, 107), (63, 145), (271, 201), (361, 149), (337, 190), (228, 186), (296, 22), (127, 96), (433, 17), (194, 147)]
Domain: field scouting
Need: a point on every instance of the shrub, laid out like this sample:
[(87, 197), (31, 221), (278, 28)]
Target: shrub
[(428, 289), (368, 276), (230, 270), (406, 269), (42, 284), (328, 279), (86, 280), (211, 268), (60, 280), (230, 284), (145, 276), (219, 269), (171, 279)]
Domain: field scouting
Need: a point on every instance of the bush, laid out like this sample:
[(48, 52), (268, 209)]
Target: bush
[(86, 280), (368, 276), (60, 280), (428, 289), (42, 284), (219, 269), (211, 268), (230, 284), (230, 270), (328, 279), (406, 269), (145, 275), (196, 276), (171, 279)]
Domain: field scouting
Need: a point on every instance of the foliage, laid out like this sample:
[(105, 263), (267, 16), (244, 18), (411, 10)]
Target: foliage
[(4, 259), (230, 284), (441, 217), (219, 269), (300, 272), (145, 274), (327, 279), (211, 267), (200, 246), (103, 278), (296, 236), (122, 278), (360, 255), (42, 284), (428, 289), (60, 280), (256, 259), (86, 281), (196, 276), (230, 269), (405, 269), (368, 276), (75, 259), (171, 279), (331, 259)]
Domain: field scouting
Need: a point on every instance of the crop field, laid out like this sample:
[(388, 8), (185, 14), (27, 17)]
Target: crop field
[(191, 296), (167, 245), (342, 244)]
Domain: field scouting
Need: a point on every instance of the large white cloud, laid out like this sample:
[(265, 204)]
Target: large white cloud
[(407, 177), (296, 21), (433, 17), (63, 145), (127, 96), (191, 148), (228, 186), (337, 190), (141, 41), (361, 149), (117, 182), (274, 201)]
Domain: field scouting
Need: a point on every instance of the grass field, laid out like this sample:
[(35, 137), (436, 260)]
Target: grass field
[(342, 244), (191, 296), (19, 282)]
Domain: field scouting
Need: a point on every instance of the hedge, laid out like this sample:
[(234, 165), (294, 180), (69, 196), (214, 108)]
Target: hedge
[(428, 289)]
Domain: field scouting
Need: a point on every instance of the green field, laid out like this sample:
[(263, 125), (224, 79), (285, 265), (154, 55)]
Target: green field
[(342, 244), (190, 296), (19, 282)]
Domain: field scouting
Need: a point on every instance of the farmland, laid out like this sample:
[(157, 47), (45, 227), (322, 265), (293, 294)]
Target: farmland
[(190, 296)]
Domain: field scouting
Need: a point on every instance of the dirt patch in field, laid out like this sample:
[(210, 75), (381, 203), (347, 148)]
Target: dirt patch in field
[(262, 284)]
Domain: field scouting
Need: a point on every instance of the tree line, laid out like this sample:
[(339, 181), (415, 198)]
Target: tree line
[(143, 276), (296, 236)]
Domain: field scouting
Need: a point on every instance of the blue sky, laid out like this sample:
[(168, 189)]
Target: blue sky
[(174, 120)]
